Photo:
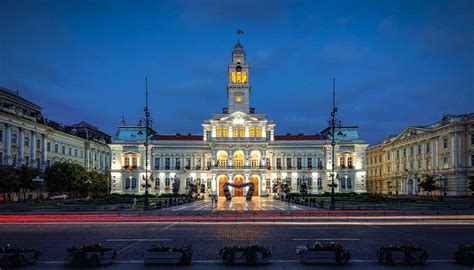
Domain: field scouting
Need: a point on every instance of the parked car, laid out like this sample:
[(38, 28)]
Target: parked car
[(57, 197)]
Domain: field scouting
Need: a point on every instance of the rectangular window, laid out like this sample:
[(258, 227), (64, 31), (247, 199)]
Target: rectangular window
[(472, 159), (1, 135), (157, 163), (349, 162), (419, 149), (404, 152), (235, 132), (472, 137), (445, 143), (56, 148), (38, 144), (188, 163), (299, 163), (218, 132), (320, 163), (14, 138), (398, 154), (309, 162), (48, 147), (411, 151), (258, 132), (75, 152), (252, 132), (445, 163), (70, 151), (225, 132), (27, 141), (388, 156), (63, 150), (342, 161), (178, 163), (82, 153), (1, 158), (278, 163), (167, 163), (242, 132), (428, 149), (288, 163)]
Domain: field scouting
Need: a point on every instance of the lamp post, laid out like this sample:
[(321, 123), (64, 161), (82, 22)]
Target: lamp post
[(146, 204), (39, 183), (334, 122)]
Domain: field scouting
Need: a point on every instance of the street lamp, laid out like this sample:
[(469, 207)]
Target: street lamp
[(334, 122), (39, 183), (88, 182), (146, 204)]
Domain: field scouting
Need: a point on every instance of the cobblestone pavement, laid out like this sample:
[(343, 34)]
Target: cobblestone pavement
[(240, 204), (130, 240)]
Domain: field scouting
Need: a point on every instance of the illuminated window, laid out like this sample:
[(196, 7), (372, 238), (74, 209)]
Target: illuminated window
[(258, 132), (251, 132), (238, 99), (235, 132), (226, 132), (242, 132), (218, 132), (239, 77)]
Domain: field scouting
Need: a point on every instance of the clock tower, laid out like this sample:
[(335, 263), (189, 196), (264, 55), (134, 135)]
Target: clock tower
[(238, 89)]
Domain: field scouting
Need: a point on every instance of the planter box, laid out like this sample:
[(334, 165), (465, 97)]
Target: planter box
[(94, 258), (18, 259), (394, 257), (240, 258), (164, 257), (465, 257), (322, 257)]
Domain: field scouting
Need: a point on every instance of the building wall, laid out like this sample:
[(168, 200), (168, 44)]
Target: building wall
[(444, 149)]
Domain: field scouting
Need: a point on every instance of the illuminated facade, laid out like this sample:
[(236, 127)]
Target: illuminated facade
[(444, 150), (238, 146)]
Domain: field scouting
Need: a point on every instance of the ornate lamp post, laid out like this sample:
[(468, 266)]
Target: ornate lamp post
[(146, 204), (334, 122)]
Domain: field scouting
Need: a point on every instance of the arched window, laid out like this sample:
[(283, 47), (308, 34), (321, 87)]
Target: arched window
[(255, 158), (342, 161), (167, 182), (349, 183), (239, 76), (221, 159), (349, 162), (239, 159), (320, 183), (127, 183), (134, 183)]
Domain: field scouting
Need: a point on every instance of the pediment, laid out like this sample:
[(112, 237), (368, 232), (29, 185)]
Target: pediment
[(409, 132), (238, 116)]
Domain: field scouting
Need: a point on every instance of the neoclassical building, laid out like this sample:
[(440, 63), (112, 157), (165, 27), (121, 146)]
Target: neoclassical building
[(238, 145), (444, 149)]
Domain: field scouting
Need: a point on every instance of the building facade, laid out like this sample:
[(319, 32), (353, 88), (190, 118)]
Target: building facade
[(29, 139), (236, 146), (444, 149)]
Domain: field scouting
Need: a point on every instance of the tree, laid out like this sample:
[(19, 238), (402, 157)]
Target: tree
[(66, 177), (9, 181), (429, 184), (25, 177), (98, 182)]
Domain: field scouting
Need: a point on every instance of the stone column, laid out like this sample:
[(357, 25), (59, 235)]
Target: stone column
[(162, 182), (246, 158), (263, 185), (33, 149), (263, 159), (8, 144), (21, 149)]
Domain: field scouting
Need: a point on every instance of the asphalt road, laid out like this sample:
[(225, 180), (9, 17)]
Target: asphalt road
[(131, 239)]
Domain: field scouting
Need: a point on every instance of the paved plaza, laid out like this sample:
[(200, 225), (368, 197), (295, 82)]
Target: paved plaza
[(240, 204)]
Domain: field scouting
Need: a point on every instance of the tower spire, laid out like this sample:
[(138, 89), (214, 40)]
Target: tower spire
[(239, 32)]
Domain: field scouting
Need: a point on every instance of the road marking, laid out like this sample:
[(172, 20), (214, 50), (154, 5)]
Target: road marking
[(135, 239), (220, 261), (199, 208), (326, 239), (332, 228), (136, 242), (169, 226)]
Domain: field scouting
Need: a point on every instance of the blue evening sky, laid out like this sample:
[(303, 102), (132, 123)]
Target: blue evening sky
[(396, 63)]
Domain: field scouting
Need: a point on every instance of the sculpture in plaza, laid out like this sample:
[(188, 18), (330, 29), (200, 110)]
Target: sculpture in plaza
[(249, 194)]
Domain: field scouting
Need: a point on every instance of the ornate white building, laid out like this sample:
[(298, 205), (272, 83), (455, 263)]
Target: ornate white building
[(238, 146)]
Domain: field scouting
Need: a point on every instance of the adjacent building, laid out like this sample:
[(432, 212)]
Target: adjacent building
[(238, 145), (444, 149), (29, 139)]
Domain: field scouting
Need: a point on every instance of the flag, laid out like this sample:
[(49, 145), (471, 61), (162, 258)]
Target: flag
[(239, 32)]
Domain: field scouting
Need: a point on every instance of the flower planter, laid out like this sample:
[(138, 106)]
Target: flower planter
[(18, 257), (465, 255), (252, 255), (89, 256), (402, 256), (168, 256), (322, 257)]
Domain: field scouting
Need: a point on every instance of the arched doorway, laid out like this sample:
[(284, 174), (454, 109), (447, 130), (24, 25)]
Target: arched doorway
[(222, 180), (254, 180), (238, 192)]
